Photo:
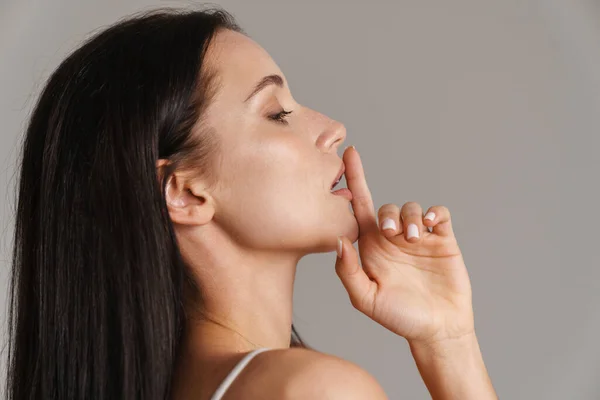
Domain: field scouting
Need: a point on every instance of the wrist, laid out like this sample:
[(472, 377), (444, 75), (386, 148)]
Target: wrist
[(447, 348), (453, 368)]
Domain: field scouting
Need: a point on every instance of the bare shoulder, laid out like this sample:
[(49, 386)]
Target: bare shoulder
[(298, 373), (316, 375)]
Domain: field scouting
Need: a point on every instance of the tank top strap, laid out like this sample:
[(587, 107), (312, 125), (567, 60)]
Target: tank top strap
[(235, 372)]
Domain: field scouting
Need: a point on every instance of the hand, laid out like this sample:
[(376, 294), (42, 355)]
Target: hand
[(419, 287)]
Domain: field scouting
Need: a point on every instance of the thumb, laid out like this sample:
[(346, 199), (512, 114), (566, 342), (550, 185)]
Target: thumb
[(357, 283)]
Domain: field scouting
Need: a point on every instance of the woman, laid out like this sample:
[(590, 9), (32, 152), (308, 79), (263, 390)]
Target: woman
[(169, 186)]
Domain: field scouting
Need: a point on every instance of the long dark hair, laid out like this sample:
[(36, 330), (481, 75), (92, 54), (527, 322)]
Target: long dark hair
[(97, 287)]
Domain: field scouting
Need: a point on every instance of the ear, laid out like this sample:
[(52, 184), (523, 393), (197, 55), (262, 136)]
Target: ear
[(188, 204)]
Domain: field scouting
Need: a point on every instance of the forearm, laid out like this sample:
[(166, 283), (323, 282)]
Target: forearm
[(454, 370)]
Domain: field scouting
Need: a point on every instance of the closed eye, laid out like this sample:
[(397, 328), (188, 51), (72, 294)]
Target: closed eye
[(280, 117)]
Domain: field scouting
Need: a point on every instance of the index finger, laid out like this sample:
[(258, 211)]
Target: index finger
[(362, 202)]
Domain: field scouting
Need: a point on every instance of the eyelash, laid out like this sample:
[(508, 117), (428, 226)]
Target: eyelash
[(280, 117)]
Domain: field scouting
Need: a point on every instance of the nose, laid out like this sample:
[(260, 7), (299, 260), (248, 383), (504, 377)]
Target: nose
[(333, 137)]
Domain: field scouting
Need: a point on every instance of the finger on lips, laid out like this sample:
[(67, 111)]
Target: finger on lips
[(393, 220), (362, 202)]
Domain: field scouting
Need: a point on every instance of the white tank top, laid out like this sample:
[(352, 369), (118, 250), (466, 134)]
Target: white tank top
[(234, 373)]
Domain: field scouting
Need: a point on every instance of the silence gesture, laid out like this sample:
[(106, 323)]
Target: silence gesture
[(412, 281)]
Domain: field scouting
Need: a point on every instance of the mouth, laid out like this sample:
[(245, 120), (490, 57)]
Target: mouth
[(338, 177)]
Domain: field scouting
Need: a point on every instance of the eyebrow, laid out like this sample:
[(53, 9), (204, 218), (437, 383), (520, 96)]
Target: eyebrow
[(264, 82)]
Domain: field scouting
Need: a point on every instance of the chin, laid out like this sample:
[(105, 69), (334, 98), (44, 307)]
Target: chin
[(328, 240), (352, 235), (350, 229)]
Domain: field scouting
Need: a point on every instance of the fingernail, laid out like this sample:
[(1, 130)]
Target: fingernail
[(413, 231), (388, 223), (430, 216), (339, 247), (350, 146)]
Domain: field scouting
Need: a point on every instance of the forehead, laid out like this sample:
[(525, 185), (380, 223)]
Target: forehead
[(240, 61)]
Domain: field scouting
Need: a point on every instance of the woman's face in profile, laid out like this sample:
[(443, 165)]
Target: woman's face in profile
[(274, 178)]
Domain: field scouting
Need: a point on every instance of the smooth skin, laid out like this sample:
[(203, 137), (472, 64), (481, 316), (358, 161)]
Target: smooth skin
[(243, 238), (415, 286)]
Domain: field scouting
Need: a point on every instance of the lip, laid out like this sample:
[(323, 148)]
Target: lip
[(339, 175), (343, 192)]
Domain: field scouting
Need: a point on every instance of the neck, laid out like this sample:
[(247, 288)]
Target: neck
[(246, 299), (246, 303)]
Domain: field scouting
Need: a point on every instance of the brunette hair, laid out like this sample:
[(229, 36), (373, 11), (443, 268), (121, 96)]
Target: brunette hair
[(97, 285)]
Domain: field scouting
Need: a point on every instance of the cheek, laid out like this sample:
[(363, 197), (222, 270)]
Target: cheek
[(275, 195), (277, 169)]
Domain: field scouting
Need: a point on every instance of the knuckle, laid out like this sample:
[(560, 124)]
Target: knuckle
[(355, 302), (442, 211), (388, 206), (363, 200), (388, 209), (411, 208)]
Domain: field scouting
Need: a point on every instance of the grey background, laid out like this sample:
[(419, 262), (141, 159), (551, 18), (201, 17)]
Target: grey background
[(491, 108)]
